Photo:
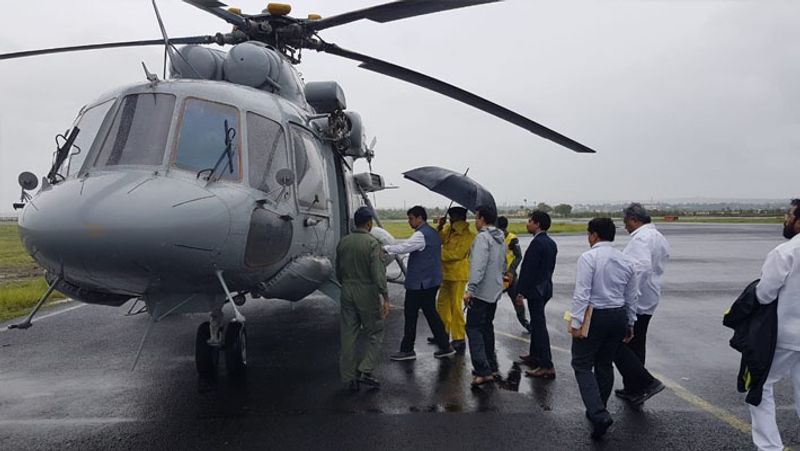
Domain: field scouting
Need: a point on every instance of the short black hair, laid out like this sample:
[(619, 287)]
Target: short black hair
[(418, 211), (502, 222), (542, 218), (457, 213), (488, 214), (796, 203), (636, 211), (604, 228), (362, 216)]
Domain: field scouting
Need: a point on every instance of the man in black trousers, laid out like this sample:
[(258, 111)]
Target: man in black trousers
[(423, 279), (536, 285), (605, 281)]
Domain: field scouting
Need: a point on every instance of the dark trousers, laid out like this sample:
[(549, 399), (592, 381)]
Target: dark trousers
[(480, 334), (630, 358), (540, 338), (425, 300), (596, 352), (518, 308), (639, 342)]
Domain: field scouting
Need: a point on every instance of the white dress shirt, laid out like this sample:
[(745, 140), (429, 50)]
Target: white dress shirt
[(416, 242), (780, 279), (650, 250), (606, 278)]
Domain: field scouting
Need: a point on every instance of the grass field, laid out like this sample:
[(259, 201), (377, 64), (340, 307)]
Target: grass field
[(21, 280), (400, 229)]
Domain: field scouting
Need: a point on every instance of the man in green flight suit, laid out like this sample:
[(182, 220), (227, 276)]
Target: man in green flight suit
[(360, 270)]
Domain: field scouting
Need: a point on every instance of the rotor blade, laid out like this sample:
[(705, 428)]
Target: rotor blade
[(214, 7), (109, 45), (416, 78), (394, 11)]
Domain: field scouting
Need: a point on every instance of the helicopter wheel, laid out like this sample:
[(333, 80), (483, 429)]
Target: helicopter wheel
[(236, 349), (206, 357)]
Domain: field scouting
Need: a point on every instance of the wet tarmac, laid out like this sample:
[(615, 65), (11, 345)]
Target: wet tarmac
[(66, 383)]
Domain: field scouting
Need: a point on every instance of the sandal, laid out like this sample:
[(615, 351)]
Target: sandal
[(480, 380)]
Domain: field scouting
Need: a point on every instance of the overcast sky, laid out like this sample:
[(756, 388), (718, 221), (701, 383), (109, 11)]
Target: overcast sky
[(681, 99)]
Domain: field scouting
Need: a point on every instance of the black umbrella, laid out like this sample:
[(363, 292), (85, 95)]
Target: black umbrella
[(452, 185)]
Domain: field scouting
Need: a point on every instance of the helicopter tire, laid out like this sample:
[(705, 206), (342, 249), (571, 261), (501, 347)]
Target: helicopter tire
[(236, 349), (206, 357)]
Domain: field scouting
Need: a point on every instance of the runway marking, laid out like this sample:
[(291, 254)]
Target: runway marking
[(66, 421), (683, 393), (49, 315)]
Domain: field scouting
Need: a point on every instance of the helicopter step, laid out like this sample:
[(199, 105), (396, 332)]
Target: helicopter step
[(234, 347)]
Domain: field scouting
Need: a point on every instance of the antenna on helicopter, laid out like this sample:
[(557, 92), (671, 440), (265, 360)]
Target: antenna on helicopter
[(166, 39)]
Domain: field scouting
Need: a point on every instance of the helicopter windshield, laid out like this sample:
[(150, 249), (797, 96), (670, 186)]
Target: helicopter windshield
[(138, 135), (266, 151), (203, 138), (89, 123)]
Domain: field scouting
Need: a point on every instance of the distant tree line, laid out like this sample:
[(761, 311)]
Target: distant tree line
[(615, 211)]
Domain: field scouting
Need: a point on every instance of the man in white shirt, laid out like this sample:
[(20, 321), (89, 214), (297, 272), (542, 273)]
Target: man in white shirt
[(606, 280), (650, 250), (780, 281)]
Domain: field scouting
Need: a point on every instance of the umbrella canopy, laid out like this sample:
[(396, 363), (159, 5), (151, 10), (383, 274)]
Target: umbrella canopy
[(452, 185)]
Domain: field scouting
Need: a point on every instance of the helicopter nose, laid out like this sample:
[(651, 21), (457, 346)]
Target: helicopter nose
[(125, 230)]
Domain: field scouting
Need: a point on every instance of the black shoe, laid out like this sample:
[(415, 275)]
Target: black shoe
[(352, 386), (431, 340), (369, 380), (624, 394), (443, 353), (459, 345), (651, 390), (600, 428), (398, 356)]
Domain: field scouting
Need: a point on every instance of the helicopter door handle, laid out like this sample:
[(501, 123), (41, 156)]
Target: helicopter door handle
[(310, 222)]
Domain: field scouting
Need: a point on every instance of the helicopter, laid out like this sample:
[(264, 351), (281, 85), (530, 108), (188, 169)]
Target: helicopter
[(233, 179)]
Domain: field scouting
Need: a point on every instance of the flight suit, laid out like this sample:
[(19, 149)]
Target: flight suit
[(456, 242), (360, 270)]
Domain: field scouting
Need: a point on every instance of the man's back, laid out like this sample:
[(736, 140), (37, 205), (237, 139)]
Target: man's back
[(358, 260), (536, 276), (780, 279), (650, 250)]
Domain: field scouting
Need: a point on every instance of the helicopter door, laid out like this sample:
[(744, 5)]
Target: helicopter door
[(313, 190)]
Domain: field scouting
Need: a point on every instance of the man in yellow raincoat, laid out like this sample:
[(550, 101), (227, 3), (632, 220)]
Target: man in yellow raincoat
[(456, 242)]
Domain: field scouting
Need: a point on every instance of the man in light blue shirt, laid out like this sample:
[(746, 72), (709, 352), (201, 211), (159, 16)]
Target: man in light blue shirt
[(606, 281)]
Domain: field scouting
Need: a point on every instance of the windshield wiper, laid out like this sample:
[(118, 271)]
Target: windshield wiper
[(230, 133), (62, 153)]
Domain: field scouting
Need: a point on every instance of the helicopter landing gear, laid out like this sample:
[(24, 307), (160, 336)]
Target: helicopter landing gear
[(207, 351), (206, 356), (236, 349)]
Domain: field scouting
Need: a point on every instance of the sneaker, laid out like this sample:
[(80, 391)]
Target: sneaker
[(443, 353), (600, 428), (431, 341), (651, 390), (369, 380), (398, 356)]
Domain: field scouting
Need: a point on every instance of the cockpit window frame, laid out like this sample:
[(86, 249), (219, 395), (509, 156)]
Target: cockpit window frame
[(178, 129), (99, 137), (319, 212)]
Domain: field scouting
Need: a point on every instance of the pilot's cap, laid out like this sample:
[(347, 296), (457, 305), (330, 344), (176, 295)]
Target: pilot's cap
[(363, 215)]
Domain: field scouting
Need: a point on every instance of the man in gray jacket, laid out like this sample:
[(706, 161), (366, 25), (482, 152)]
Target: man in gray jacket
[(487, 264)]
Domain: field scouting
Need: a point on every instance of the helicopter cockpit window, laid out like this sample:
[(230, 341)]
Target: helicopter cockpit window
[(312, 183), (267, 152), (209, 140), (88, 124), (138, 135)]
